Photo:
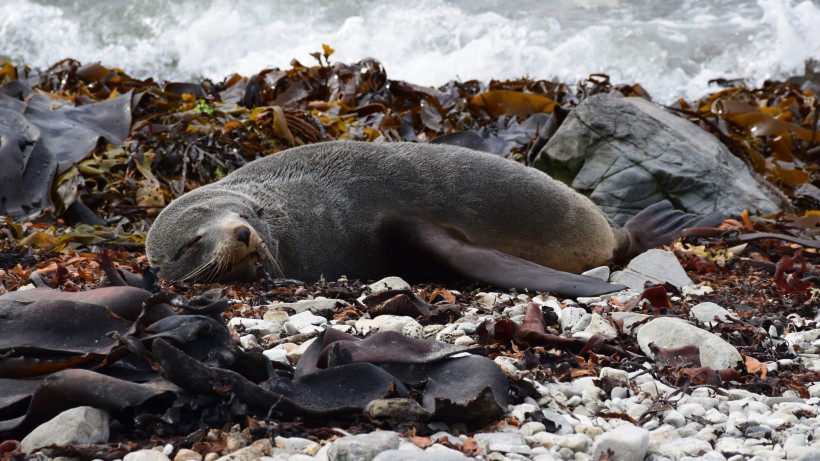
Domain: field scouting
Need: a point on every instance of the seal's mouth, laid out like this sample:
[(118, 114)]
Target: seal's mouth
[(226, 268), (253, 266), (266, 262), (243, 269), (252, 255)]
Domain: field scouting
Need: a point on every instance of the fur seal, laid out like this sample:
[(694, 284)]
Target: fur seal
[(422, 211)]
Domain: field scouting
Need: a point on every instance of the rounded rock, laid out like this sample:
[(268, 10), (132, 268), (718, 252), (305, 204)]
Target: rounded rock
[(707, 312), (428, 455), (397, 409), (185, 454), (277, 355), (531, 428), (626, 442), (362, 446), (305, 322), (672, 332), (146, 455), (570, 316), (389, 283), (674, 418), (80, 425), (464, 341)]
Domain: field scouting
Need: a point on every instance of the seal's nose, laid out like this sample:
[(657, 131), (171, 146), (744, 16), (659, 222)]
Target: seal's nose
[(243, 234)]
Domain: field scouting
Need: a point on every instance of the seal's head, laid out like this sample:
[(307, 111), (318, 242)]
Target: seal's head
[(209, 236)]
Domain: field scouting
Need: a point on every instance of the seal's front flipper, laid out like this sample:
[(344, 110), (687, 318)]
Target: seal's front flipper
[(445, 247), (661, 224)]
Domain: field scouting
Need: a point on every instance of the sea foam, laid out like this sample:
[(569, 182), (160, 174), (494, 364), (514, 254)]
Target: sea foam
[(672, 48)]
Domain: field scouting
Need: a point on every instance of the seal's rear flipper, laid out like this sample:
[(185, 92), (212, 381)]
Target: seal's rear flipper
[(661, 224), (445, 246)]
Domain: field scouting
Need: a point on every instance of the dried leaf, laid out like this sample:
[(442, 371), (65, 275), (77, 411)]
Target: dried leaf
[(793, 283), (442, 293), (39, 240), (421, 442), (504, 102), (149, 193), (754, 366), (657, 296), (578, 372), (327, 50)]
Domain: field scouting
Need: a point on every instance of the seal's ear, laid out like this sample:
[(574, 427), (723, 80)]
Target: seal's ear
[(447, 247)]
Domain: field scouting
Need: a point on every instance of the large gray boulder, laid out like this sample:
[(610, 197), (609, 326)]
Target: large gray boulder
[(628, 153), (671, 332)]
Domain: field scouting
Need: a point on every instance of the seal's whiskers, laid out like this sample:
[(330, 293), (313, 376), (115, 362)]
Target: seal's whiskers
[(205, 268), (269, 256)]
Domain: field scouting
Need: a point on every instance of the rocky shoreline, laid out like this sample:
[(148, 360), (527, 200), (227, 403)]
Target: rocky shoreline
[(714, 353), (636, 408)]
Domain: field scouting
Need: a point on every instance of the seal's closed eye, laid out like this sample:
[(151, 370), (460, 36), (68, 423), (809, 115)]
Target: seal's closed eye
[(187, 245)]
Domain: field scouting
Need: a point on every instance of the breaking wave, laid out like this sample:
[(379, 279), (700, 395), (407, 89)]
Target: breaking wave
[(672, 48)]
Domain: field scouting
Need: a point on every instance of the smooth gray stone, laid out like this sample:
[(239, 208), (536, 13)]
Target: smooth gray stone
[(314, 305), (670, 332), (545, 457), (619, 392), (362, 447), (562, 425), (677, 449), (674, 418), (582, 323), (571, 316), (758, 432), (772, 401), (612, 377), (296, 444), (599, 273), (795, 440), (628, 153), (626, 442), (397, 409), (389, 283), (80, 425), (631, 320), (304, 322), (655, 266), (707, 312), (250, 453), (502, 441), (403, 455), (145, 455), (812, 456)]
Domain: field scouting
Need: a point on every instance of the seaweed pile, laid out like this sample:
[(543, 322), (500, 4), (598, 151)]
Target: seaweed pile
[(184, 135)]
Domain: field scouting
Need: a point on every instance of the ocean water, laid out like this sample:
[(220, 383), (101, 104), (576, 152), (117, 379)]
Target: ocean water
[(673, 48)]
